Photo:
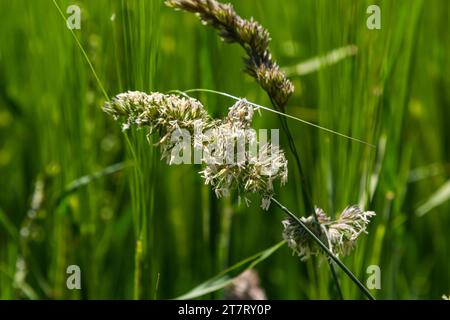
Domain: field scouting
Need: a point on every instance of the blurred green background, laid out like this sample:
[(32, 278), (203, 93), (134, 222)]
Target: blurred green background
[(74, 191)]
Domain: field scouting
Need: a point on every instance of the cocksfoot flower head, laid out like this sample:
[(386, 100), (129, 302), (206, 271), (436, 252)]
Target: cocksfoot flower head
[(339, 235), (161, 113), (299, 240), (252, 174), (232, 158)]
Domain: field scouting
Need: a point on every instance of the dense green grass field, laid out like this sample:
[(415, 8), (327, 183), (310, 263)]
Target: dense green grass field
[(75, 190)]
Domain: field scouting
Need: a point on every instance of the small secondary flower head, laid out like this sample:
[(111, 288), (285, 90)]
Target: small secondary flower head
[(299, 240), (339, 235)]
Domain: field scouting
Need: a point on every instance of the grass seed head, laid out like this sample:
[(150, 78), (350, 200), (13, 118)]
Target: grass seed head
[(344, 232), (161, 113), (340, 235), (253, 37), (299, 240), (246, 171)]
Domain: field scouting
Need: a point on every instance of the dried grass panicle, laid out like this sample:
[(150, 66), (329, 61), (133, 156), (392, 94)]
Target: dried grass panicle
[(253, 37), (340, 235)]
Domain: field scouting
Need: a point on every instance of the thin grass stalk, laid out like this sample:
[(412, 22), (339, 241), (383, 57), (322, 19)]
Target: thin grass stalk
[(283, 114), (304, 183), (305, 186), (336, 280), (99, 82), (137, 270)]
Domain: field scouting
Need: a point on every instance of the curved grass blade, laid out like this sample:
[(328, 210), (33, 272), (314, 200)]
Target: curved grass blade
[(8, 225), (316, 63), (85, 180), (279, 113), (97, 78), (227, 276), (439, 197)]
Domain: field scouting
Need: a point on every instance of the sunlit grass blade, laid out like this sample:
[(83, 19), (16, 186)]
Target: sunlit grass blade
[(317, 63), (437, 198), (279, 113), (224, 278), (85, 180)]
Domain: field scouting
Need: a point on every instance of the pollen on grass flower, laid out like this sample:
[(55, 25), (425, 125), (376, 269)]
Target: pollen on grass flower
[(247, 170), (249, 176), (346, 229), (299, 240)]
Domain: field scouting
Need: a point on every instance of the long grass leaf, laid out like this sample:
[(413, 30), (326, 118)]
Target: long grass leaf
[(8, 225), (85, 180), (102, 88), (227, 276), (317, 63), (439, 197)]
